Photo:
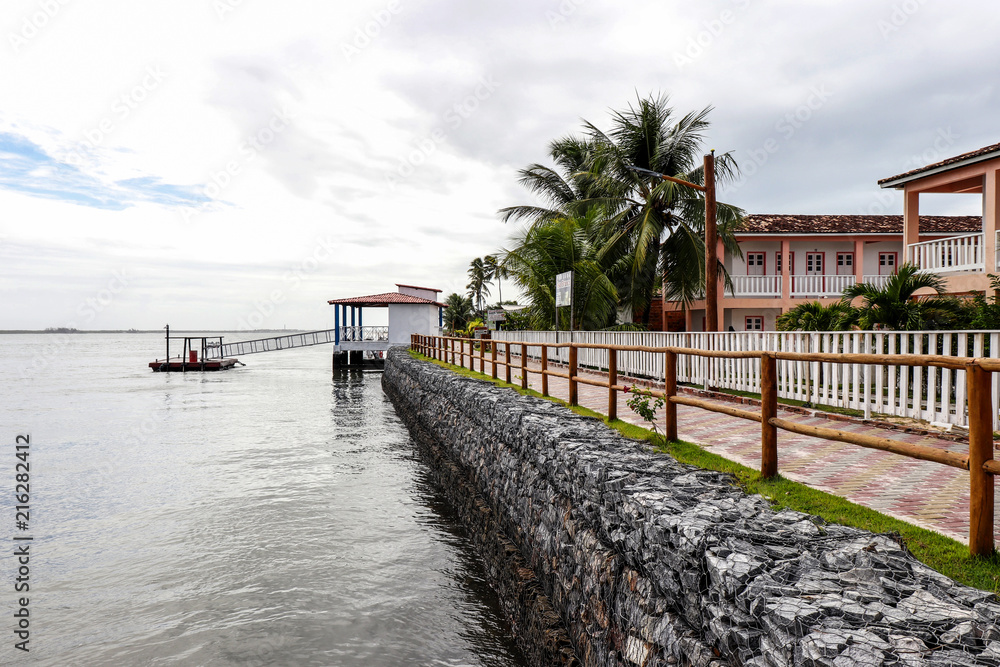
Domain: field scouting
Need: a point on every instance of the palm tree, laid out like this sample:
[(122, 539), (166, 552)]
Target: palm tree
[(814, 316), (894, 305), (458, 312), (551, 247), (662, 223), (656, 224), (566, 189), (478, 282), (495, 271)]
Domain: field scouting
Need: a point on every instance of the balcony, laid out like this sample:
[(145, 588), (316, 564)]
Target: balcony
[(803, 287), (957, 253)]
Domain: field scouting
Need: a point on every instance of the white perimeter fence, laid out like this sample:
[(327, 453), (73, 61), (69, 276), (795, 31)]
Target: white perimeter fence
[(932, 394)]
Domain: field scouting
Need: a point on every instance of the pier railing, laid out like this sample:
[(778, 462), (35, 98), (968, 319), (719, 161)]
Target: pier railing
[(979, 461), (933, 394)]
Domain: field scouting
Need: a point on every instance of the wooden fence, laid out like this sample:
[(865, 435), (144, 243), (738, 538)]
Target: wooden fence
[(978, 372), (928, 393)]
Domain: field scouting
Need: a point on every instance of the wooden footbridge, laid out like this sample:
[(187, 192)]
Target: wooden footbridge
[(210, 353)]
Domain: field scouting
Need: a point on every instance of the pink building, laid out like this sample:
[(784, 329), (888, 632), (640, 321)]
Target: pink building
[(792, 259)]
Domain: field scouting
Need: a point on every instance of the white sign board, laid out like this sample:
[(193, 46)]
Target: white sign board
[(564, 289), (496, 315)]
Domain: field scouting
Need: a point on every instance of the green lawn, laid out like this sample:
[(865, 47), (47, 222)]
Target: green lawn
[(944, 554)]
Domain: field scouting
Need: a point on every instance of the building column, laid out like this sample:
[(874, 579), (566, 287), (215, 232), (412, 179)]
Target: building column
[(786, 269), (336, 325), (859, 261), (991, 214), (911, 222)]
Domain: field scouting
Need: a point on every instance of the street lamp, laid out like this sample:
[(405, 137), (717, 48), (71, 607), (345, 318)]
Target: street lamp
[(711, 236)]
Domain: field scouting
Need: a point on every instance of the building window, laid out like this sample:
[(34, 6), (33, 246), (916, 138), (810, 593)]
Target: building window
[(886, 263), (845, 263), (754, 323), (755, 263)]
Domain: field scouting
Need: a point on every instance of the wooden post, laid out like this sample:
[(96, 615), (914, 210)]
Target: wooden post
[(482, 357), (670, 390), (545, 369), (768, 411), (572, 374), (612, 381), (979, 382), (451, 348), (711, 249), (506, 353), (524, 365), (472, 354), (493, 359)]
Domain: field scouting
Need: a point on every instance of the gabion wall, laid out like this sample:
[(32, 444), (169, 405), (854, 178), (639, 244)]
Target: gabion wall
[(651, 562)]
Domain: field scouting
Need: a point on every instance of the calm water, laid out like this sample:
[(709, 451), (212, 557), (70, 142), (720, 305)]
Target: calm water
[(263, 516)]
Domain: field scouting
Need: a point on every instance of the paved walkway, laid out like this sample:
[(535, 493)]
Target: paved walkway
[(931, 495)]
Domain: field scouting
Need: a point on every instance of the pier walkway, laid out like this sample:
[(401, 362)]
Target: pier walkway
[(923, 493)]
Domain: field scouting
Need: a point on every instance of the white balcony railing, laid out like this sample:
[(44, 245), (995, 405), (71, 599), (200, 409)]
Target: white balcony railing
[(877, 281), (958, 253), (352, 334), (750, 286), (820, 285)]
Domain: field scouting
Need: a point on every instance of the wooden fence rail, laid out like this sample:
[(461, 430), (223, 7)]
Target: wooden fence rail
[(979, 462)]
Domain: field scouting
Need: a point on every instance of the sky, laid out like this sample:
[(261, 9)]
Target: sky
[(235, 164)]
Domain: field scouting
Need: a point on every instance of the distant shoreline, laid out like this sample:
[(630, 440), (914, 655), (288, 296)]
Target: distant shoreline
[(147, 331)]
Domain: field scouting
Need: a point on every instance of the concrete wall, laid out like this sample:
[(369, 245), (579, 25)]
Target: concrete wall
[(406, 319), (650, 562)]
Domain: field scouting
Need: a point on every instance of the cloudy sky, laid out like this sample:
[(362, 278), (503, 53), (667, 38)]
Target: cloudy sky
[(228, 164)]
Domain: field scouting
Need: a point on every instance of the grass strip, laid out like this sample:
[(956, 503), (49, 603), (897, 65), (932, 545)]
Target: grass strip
[(949, 557)]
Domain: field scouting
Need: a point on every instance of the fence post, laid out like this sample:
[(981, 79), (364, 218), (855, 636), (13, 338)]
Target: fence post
[(482, 356), (572, 374), (768, 411), (980, 450), (493, 360), (612, 381), (524, 365), (670, 390), (472, 354), (545, 369), (506, 353)]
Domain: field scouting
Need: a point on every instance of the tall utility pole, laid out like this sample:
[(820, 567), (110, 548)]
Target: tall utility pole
[(711, 248), (711, 237)]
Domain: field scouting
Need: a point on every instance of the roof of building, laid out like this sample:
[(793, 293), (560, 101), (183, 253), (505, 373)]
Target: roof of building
[(978, 155), (856, 224), (378, 300), (426, 289)]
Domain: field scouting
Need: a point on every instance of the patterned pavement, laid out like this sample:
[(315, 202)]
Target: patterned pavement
[(927, 494)]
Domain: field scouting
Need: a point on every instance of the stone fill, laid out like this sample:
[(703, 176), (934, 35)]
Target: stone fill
[(652, 562)]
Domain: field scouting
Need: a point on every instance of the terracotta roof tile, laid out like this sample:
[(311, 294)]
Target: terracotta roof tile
[(986, 150), (382, 300), (856, 224)]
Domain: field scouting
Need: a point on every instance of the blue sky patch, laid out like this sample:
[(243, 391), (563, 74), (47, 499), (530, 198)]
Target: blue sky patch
[(26, 168)]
